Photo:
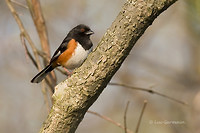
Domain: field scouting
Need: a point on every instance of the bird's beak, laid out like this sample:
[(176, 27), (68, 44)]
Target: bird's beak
[(90, 32)]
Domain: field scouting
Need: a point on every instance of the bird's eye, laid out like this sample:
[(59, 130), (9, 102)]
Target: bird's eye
[(82, 30)]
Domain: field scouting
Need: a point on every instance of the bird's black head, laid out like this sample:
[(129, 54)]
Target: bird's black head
[(81, 33), (81, 30)]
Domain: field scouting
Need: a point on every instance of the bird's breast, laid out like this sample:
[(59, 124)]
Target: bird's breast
[(78, 57)]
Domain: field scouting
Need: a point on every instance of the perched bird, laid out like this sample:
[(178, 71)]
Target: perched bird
[(71, 53)]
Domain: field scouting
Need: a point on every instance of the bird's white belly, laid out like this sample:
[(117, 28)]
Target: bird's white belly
[(78, 57)]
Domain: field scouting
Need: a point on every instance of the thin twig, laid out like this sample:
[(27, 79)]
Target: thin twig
[(125, 126), (150, 91), (19, 4), (109, 120), (28, 54), (140, 118)]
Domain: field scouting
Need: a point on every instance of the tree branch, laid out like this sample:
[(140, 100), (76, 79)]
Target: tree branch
[(74, 96)]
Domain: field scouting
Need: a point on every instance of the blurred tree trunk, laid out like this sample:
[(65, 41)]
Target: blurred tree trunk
[(73, 97)]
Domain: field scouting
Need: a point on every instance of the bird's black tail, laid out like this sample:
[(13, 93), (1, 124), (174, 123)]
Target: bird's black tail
[(41, 75)]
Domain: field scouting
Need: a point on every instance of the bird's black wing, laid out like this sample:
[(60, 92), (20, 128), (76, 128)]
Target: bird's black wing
[(60, 49)]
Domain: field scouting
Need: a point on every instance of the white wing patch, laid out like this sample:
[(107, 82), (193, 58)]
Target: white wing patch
[(78, 57), (59, 52)]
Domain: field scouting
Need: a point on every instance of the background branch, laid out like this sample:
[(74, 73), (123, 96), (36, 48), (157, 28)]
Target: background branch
[(38, 19), (140, 118), (24, 35), (28, 54), (110, 120), (150, 91), (19, 4), (125, 112)]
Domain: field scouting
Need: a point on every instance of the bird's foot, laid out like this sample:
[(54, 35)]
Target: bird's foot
[(69, 74)]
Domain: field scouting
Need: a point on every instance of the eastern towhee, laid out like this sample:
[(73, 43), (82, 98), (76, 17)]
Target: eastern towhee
[(71, 53)]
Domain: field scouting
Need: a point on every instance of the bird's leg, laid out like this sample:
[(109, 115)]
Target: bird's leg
[(68, 72)]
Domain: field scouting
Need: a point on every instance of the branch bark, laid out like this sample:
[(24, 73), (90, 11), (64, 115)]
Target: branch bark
[(74, 96)]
